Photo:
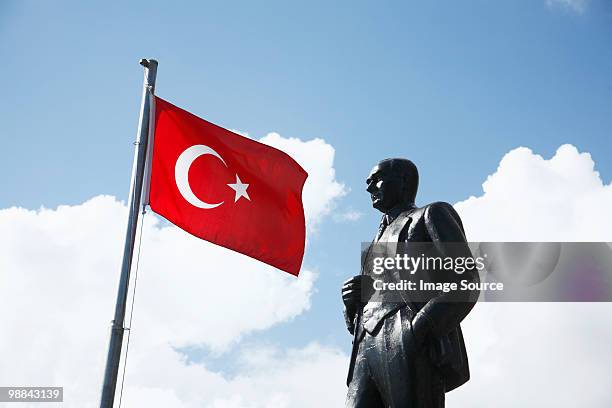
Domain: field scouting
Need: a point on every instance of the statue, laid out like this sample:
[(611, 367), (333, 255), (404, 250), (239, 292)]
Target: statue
[(406, 354)]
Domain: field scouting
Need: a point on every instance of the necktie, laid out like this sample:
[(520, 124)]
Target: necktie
[(383, 224)]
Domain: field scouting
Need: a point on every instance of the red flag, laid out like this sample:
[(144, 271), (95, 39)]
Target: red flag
[(227, 189)]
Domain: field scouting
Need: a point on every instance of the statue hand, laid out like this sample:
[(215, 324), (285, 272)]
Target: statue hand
[(352, 291), (421, 330)]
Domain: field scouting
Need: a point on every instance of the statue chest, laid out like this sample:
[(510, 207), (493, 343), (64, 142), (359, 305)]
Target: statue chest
[(409, 226)]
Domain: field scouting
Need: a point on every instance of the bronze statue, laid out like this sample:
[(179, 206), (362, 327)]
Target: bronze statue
[(407, 354)]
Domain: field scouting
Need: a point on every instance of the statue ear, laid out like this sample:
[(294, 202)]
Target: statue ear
[(406, 184), (407, 188)]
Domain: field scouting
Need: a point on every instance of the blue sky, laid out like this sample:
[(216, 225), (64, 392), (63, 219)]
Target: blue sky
[(452, 86), (443, 85)]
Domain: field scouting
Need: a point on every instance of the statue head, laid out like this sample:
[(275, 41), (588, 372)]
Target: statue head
[(391, 183)]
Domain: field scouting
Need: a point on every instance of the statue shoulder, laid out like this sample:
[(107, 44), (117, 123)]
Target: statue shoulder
[(439, 206), (440, 210)]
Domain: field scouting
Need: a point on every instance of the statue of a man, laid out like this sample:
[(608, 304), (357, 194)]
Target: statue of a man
[(407, 354)]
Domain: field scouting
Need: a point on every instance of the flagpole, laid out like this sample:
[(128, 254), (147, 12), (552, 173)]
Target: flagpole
[(138, 167)]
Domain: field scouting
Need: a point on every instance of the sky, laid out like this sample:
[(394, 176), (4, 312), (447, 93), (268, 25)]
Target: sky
[(504, 107)]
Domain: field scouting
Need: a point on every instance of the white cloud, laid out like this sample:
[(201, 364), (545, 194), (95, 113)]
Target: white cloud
[(178, 289), (539, 354), (347, 216), (530, 198), (268, 378), (59, 270), (577, 6)]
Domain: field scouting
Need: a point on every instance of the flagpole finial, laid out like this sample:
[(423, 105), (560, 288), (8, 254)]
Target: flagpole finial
[(146, 62), (150, 66)]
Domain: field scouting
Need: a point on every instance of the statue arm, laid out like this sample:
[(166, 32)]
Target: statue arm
[(443, 313), (349, 319)]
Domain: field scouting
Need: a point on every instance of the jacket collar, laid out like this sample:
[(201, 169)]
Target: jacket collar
[(393, 213)]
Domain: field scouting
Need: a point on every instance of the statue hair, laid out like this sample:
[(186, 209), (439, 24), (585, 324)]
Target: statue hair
[(409, 173)]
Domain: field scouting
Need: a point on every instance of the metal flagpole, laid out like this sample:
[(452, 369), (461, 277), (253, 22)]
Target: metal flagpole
[(138, 166)]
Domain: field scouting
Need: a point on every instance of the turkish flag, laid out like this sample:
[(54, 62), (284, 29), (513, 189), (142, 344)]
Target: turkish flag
[(227, 189)]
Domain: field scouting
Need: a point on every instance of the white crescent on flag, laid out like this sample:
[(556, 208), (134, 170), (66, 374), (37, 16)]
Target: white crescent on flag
[(181, 174)]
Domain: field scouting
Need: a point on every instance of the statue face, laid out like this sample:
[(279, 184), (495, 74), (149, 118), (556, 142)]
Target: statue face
[(384, 187)]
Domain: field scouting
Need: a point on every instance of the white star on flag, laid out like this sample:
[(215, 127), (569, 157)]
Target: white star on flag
[(240, 188)]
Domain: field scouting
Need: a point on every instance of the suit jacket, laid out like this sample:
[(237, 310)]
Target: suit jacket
[(441, 313)]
